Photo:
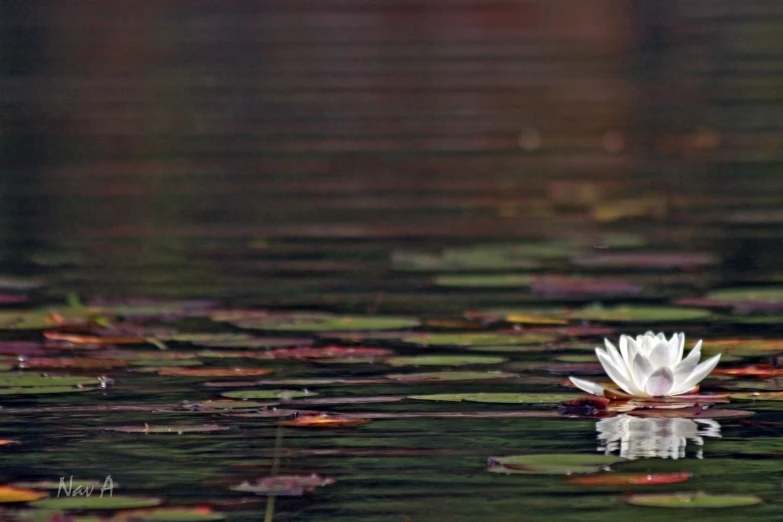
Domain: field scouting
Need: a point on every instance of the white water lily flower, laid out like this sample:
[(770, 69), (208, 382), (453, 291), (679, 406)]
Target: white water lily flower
[(667, 438), (650, 366)]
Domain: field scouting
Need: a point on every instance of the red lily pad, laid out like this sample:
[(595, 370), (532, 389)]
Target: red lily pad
[(215, 372), (570, 287), (329, 352), (623, 479)]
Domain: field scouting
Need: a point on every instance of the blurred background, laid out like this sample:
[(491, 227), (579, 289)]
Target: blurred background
[(144, 139)]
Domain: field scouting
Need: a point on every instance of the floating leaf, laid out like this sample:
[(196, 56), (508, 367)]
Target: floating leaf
[(226, 405), (483, 281), (530, 319), (691, 500), (46, 390), (498, 398), (551, 464), (570, 287), (448, 376), (178, 429), (105, 502), (475, 339), (757, 396), (640, 314), (742, 347), (328, 352), (444, 360), (215, 372), (9, 494), (197, 514), (622, 479), (268, 394), (71, 483), (325, 323), (464, 259), (646, 261), (322, 421), (32, 380), (284, 485), (769, 294)]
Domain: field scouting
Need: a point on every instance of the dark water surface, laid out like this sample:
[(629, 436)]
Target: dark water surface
[(518, 169)]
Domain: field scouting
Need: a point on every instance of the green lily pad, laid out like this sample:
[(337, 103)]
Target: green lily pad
[(475, 339), (179, 515), (484, 281), (691, 500), (444, 360), (448, 376), (324, 323), (463, 259), (169, 429), (742, 347), (757, 396), (640, 314), (551, 464), (46, 390), (33, 380), (268, 394), (42, 318), (68, 484), (770, 294), (499, 398), (227, 405), (106, 502)]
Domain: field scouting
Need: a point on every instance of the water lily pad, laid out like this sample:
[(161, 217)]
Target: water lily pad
[(444, 360), (11, 494), (322, 421), (324, 323), (742, 347), (46, 390), (226, 405), (691, 500), (197, 514), (448, 376), (475, 339), (105, 502), (499, 398), (328, 352), (551, 464), (646, 260), (67, 484), (562, 287), (771, 294), (284, 485), (757, 396), (623, 479), (483, 281), (640, 314), (215, 372), (172, 429), (33, 380), (463, 259), (268, 394)]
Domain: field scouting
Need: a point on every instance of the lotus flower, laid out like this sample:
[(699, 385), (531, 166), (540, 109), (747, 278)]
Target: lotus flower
[(650, 366), (634, 437)]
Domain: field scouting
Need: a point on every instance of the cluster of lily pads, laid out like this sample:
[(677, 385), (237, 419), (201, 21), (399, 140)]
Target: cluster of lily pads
[(256, 363)]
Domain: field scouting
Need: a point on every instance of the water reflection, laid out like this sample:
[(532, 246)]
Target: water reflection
[(637, 437)]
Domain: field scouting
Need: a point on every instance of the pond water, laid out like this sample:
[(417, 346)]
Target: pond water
[(433, 313)]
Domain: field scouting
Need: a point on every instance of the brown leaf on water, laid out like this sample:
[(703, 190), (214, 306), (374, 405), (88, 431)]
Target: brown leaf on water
[(215, 372), (322, 420)]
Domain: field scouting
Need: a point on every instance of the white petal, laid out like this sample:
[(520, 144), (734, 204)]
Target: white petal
[(698, 374), (589, 387), (616, 374), (618, 361), (660, 382), (680, 346), (662, 355), (641, 370), (685, 367), (624, 340)]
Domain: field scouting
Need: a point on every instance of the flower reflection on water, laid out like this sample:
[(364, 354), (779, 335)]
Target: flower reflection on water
[(638, 437)]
